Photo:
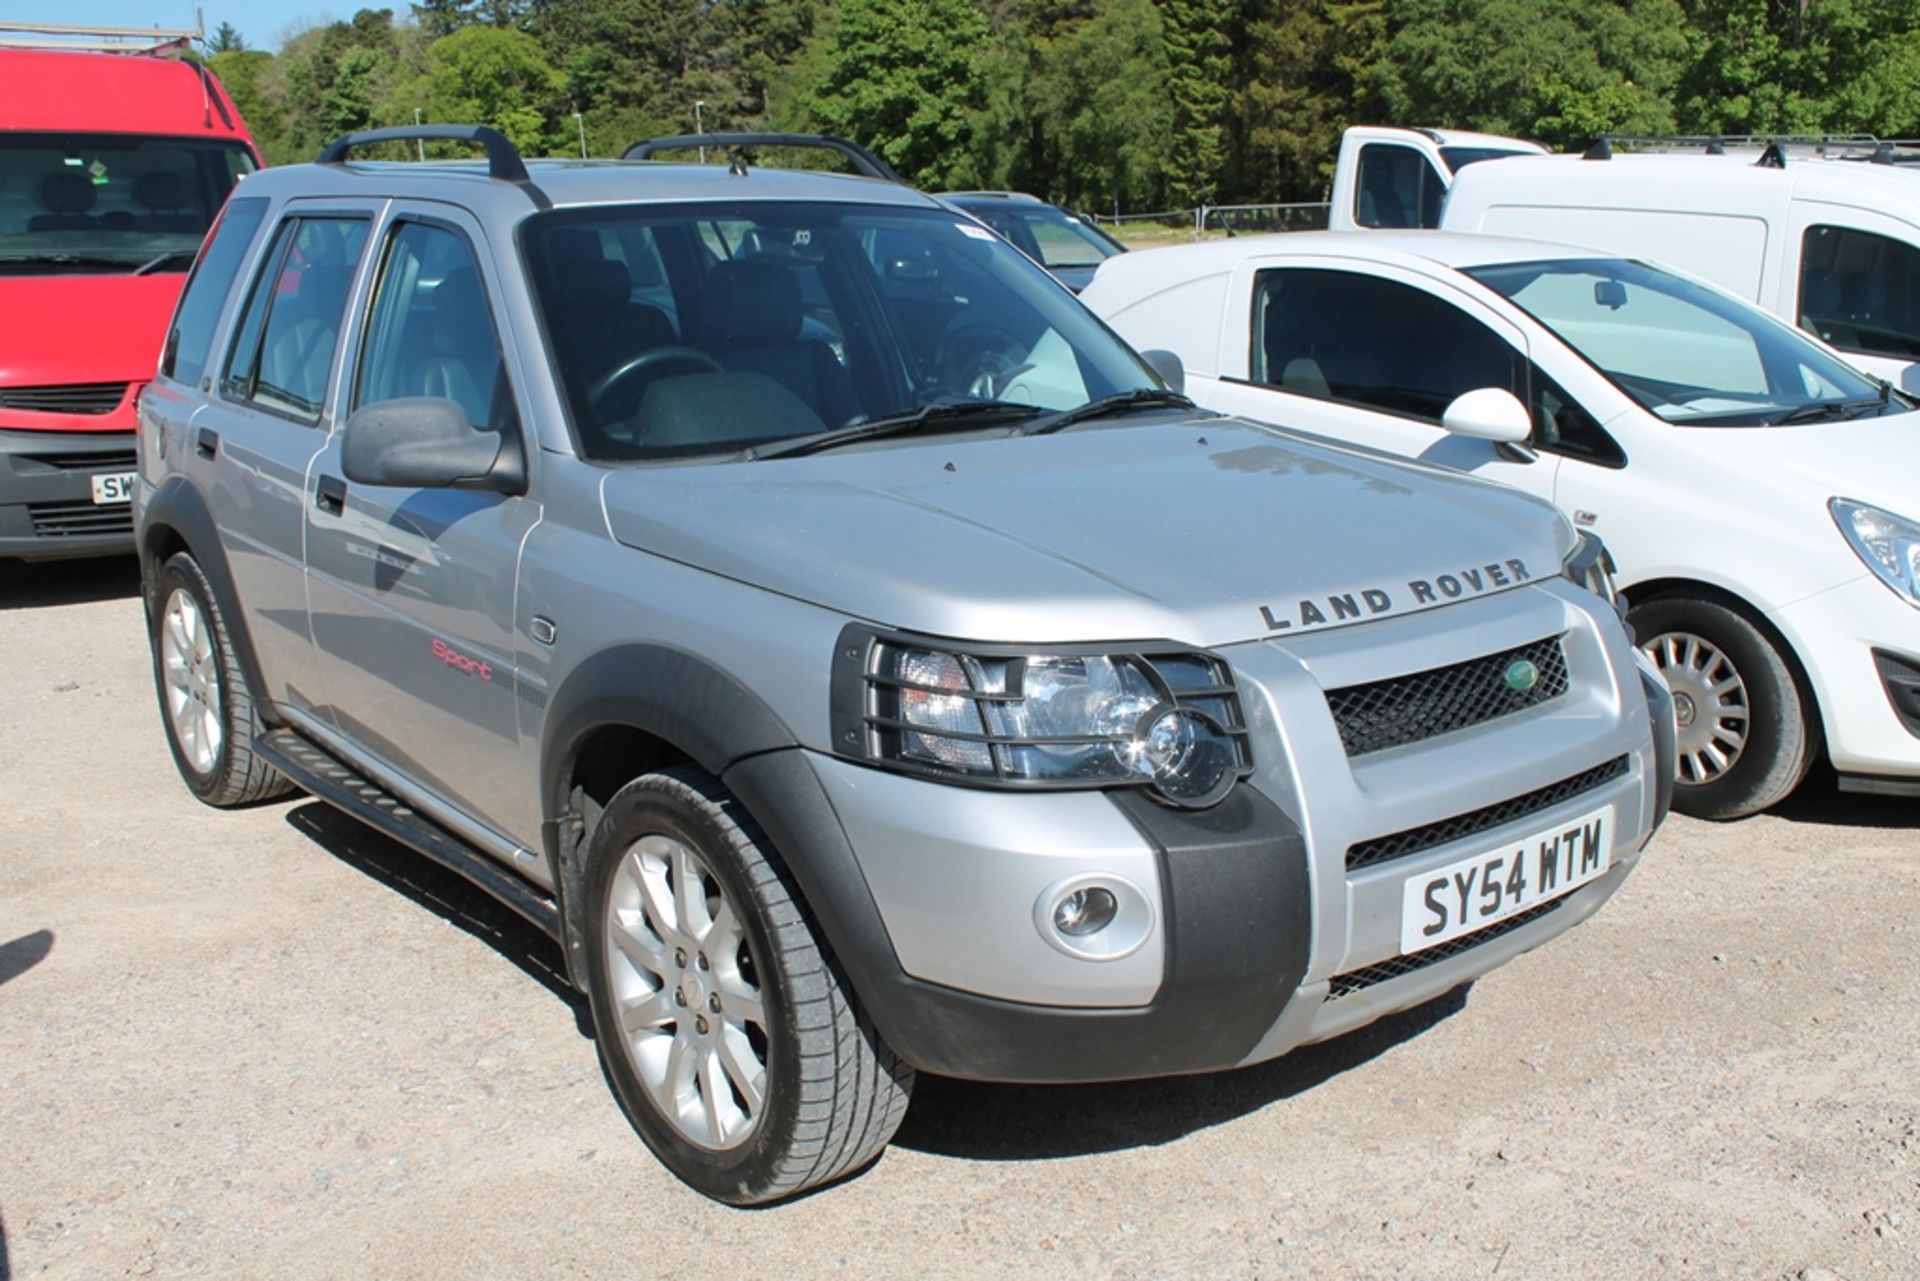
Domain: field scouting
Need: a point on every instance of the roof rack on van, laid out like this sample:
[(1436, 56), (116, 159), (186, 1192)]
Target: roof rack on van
[(58, 36), (1773, 148), (863, 161), (503, 158)]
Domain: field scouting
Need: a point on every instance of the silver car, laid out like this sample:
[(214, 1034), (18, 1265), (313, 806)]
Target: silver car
[(779, 590)]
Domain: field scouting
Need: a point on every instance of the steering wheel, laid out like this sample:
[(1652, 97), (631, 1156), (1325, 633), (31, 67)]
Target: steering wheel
[(653, 358), (980, 360)]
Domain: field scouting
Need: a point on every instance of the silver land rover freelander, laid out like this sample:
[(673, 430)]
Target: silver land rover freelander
[(784, 594)]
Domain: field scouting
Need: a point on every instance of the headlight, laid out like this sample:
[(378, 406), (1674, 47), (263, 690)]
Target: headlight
[(1590, 565), (1167, 721), (1889, 544)]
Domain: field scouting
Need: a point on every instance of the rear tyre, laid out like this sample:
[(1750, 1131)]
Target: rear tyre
[(732, 1043), (1744, 737), (204, 701)]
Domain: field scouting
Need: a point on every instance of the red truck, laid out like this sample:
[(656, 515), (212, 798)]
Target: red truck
[(112, 167)]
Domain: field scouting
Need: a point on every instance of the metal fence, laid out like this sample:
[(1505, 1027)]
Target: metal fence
[(1230, 220)]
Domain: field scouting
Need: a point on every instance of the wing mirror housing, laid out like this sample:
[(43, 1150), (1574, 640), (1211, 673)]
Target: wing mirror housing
[(1167, 364), (1491, 413), (426, 442)]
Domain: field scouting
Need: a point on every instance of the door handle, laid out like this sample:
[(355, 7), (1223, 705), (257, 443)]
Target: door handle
[(206, 442), (330, 495)]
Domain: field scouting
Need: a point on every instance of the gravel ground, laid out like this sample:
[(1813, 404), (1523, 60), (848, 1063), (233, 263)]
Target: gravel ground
[(271, 1044)]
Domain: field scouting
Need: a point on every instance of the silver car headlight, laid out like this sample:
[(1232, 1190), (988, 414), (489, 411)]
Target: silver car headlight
[(1031, 718), (1590, 565), (1889, 545)]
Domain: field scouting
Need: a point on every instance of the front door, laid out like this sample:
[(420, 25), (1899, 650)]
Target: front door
[(412, 590)]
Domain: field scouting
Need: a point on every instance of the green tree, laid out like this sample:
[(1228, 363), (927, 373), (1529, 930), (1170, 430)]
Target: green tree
[(225, 40), (1108, 103), (903, 77), (252, 78), (1304, 71), (1762, 66), (1199, 79), (1534, 67), (492, 76)]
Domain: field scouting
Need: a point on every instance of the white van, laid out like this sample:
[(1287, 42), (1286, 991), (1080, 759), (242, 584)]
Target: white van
[(1390, 178), (1830, 244)]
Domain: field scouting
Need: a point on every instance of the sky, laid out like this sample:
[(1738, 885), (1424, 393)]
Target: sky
[(261, 22)]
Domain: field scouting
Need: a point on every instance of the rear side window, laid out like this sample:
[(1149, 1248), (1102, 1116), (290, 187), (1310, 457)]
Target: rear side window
[(1860, 292), (1341, 336), (185, 357), (431, 331), (284, 351), (1397, 188)]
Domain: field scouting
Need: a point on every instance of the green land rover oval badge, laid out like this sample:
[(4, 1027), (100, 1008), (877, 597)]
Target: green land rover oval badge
[(1522, 675)]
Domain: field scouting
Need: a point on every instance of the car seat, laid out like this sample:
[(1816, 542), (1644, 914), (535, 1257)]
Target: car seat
[(67, 197), (164, 195), (757, 320)]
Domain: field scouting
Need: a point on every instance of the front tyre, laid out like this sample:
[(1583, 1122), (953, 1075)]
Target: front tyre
[(1744, 737), (729, 1038), (204, 701)]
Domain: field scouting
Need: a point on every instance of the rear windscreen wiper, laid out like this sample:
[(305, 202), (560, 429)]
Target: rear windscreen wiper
[(942, 412), (1139, 398)]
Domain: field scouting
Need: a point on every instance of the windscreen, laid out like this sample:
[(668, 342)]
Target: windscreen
[(91, 203), (1053, 236), (1685, 352), (690, 329)]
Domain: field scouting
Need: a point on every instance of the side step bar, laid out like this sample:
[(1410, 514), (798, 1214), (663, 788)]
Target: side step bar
[(330, 779)]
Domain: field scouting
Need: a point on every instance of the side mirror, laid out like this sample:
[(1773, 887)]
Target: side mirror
[(426, 442), (1491, 413), (1167, 365)]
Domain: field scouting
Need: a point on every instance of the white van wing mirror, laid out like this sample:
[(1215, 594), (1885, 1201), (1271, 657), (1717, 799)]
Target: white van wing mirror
[(1491, 413)]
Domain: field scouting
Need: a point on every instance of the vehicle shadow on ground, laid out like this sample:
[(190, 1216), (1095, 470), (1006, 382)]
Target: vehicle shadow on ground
[(23, 953), (43, 583), (6, 1268), (979, 1122), (444, 894), (1820, 800)]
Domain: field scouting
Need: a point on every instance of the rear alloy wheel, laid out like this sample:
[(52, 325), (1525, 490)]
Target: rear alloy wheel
[(1744, 741), (209, 713), (730, 1040)]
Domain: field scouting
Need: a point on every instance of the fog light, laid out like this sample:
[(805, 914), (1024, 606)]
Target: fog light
[(1085, 911)]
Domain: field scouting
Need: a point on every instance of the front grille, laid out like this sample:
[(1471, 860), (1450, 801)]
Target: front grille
[(70, 398), (1398, 966), (1382, 849), (1423, 705), (78, 520), (117, 460)]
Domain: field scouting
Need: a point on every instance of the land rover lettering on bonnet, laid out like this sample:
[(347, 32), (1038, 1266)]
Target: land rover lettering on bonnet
[(748, 610)]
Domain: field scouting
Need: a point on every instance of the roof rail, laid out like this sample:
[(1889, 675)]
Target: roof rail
[(82, 39), (1774, 148), (862, 160), (503, 158)]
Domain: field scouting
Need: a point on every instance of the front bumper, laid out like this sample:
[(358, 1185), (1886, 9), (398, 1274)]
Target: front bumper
[(47, 510), (1265, 937), (1834, 635)]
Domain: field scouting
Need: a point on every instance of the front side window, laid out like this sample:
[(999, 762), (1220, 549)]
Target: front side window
[(694, 329), (76, 203), (1397, 188), (185, 355), (1860, 292), (1685, 352), (431, 332), (284, 351), (1379, 344)]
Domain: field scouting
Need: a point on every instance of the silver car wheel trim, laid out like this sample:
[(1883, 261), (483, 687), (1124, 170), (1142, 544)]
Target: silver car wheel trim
[(1710, 703), (685, 1000), (191, 676)]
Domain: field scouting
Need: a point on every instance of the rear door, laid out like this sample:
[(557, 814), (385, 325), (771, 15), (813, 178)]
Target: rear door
[(266, 413), (413, 589)]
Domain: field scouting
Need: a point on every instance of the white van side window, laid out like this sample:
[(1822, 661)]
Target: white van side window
[(1860, 291), (1397, 188)]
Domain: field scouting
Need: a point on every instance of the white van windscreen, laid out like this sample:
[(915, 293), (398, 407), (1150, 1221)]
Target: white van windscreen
[(1687, 353)]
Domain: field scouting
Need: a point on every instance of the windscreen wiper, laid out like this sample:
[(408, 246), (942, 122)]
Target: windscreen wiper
[(944, 412), (1820, 411), (172, 255), (1138, 398)]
